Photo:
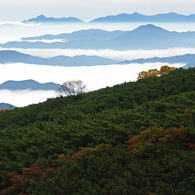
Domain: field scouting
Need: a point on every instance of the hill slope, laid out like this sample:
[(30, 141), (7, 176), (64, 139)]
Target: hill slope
[(132, 138)]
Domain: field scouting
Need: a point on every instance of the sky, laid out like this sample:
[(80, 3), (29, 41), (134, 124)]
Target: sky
[(17, 10)]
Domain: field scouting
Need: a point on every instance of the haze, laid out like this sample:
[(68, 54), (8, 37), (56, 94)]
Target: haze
[(95, 77), (89, 9)]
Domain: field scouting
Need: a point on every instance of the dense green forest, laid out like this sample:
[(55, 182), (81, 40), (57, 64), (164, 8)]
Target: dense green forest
[(133, 138)]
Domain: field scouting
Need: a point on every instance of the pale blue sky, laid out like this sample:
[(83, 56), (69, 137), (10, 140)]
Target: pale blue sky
[(89, 9)]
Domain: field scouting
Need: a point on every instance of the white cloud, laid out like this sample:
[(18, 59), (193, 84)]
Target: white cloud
[(25, 97), (95, 77), (107, 53)]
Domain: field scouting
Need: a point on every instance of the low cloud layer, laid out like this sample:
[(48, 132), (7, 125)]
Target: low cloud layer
[(95, 77), (112, 54), (25, 97)]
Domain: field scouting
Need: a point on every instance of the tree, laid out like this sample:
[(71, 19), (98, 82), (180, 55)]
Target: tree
[(143, 74), (72, 88), (166, 69), (154, 72)]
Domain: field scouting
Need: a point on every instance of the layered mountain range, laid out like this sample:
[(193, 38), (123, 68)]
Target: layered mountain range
[(43, 19), (123, 17), (137, 17), (188, 59), (144, 37), (9, 56)]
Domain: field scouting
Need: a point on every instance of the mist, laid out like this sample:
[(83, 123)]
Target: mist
[(95, 77), (112, 54), (22, 98)]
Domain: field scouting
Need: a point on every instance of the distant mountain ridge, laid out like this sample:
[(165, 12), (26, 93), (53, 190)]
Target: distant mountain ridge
[(144, 37), (6, 106), (122, 17), (44, 19), (97, 34), (188, 59), (137, 17), (28, 84), (9, 56)]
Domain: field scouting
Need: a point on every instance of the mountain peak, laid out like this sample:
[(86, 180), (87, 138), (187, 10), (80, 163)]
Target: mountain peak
[(41, 17), (149, 27), (136, 13)]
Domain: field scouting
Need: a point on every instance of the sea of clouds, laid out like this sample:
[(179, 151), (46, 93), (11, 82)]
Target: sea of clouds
[(106, 53), (95, 77)]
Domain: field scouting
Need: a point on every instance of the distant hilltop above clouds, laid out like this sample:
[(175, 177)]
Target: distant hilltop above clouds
[(123, 17), (28, 85), (144, 37), (137, 17), (6, 106), (44, 19)]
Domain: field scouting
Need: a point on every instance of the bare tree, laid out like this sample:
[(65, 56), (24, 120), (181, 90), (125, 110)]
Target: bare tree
[(72, 88)]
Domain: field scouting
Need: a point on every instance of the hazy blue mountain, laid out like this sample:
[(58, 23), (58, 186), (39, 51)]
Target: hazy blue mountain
[(6, 106), (97, 34), (123, 17), (137, 17), (81, 60), (44, 19), (8, 56), (28, 84), (188, 59), (143, 37)]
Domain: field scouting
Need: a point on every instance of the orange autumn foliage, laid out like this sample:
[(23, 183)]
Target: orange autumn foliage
[(154, 72), (158, 139), (3, 110), (188, 113), (15, 183), (166, 69), (192, 146), (142, 75)]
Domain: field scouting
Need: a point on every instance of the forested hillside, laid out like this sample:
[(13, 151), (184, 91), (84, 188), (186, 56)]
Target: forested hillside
[(133, 138)]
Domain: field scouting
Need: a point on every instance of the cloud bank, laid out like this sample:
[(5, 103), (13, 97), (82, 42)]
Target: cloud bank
[(112, 54), (95, 77)]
